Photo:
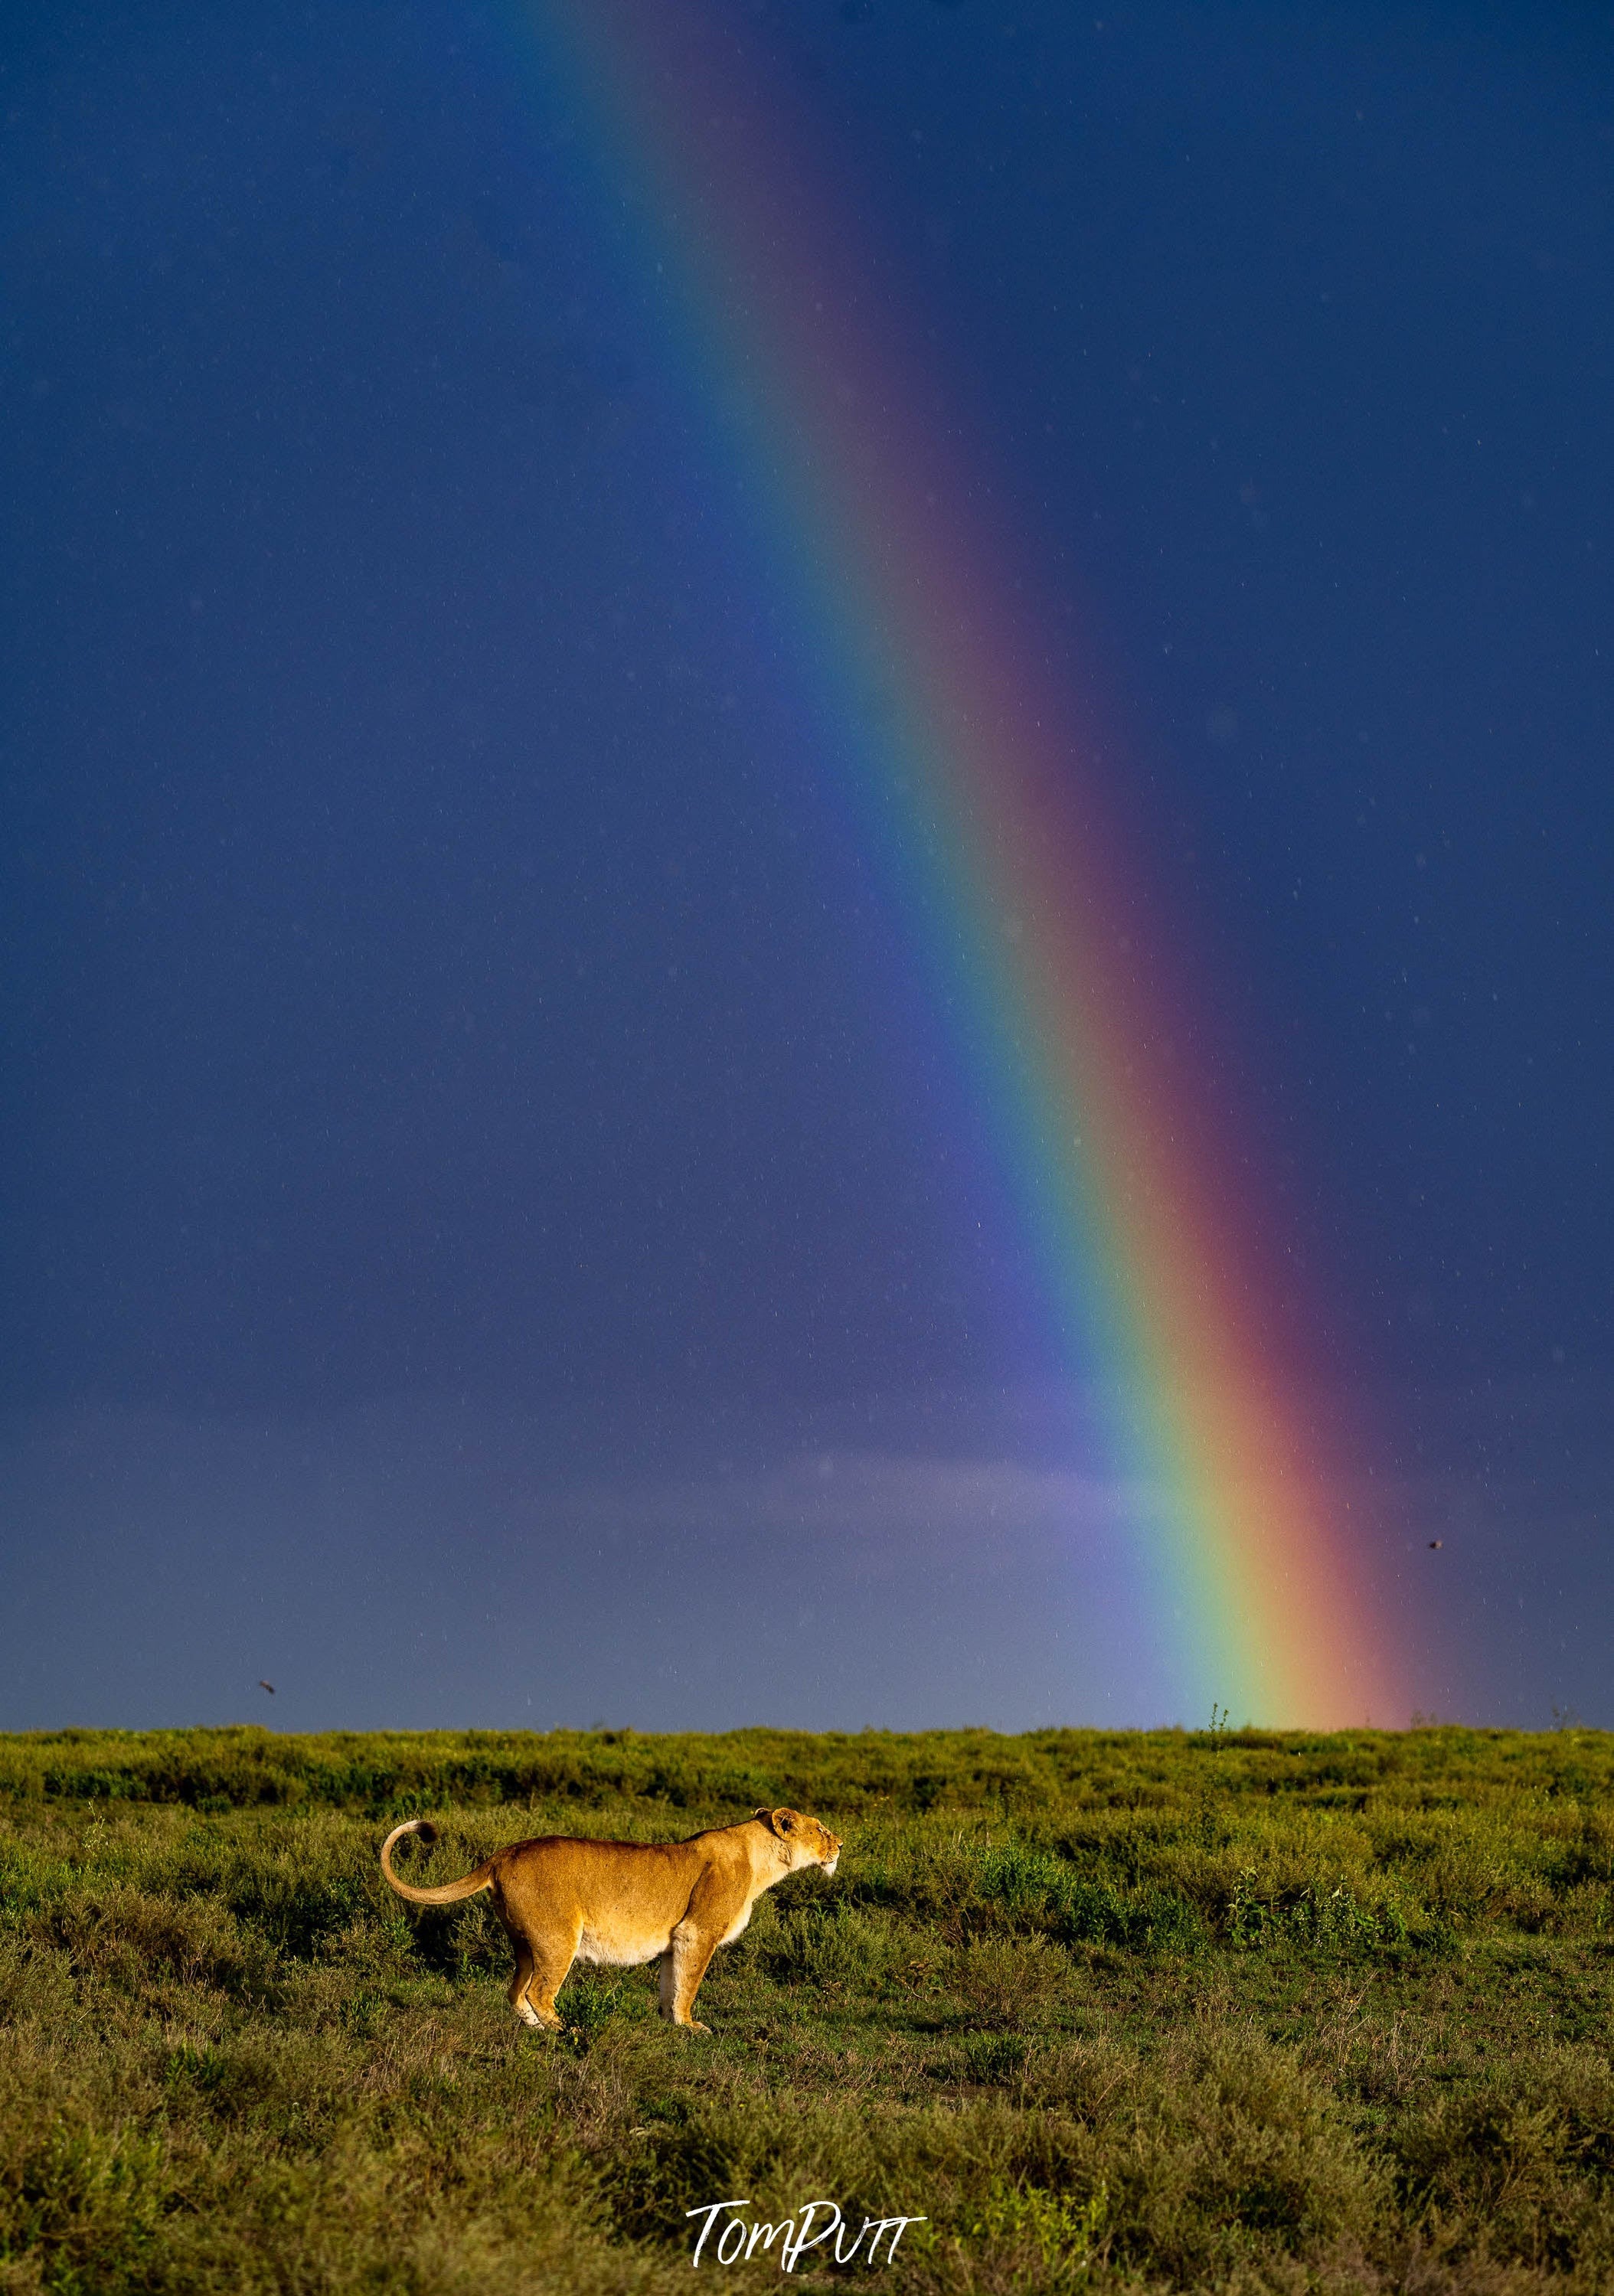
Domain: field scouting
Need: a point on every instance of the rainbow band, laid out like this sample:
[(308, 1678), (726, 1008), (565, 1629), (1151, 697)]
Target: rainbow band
[(972, 786)]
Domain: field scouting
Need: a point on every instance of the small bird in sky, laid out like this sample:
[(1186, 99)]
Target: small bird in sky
[(1433, 1542), (269, 1686)]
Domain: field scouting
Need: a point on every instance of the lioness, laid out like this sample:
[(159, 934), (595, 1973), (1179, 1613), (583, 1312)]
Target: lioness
[(563, 1900)]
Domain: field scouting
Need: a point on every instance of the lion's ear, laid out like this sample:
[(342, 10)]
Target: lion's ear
[(783, 1821)]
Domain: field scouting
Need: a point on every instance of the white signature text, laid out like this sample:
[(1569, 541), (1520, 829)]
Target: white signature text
[(740, 2239)]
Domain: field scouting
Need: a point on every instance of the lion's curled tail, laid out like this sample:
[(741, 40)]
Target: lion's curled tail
[(468, 1887)]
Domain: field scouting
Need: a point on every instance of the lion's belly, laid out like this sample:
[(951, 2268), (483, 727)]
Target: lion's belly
[(623, 1942)]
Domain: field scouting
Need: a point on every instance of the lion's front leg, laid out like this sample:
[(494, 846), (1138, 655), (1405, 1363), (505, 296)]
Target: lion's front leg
[(683, 1965), (668, 1983), (717, 1906)]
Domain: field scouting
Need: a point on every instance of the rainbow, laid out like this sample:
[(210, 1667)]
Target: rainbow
[(976, 788)]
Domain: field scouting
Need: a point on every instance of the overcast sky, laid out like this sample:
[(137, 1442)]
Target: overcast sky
[(492, 1230)]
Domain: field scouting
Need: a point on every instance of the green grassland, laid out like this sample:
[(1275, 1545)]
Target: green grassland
[(1243, 2012)]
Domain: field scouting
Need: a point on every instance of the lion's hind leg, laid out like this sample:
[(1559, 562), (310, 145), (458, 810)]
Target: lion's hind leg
[(548, 1958), (519, 1983)]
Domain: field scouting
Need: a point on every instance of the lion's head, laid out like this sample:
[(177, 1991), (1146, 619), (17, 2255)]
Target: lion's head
[(805, 1840)]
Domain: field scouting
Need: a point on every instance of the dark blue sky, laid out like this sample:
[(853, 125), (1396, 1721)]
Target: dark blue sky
[(491, 1229)]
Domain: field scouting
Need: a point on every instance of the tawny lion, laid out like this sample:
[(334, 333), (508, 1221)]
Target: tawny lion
[(627, 1902)]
